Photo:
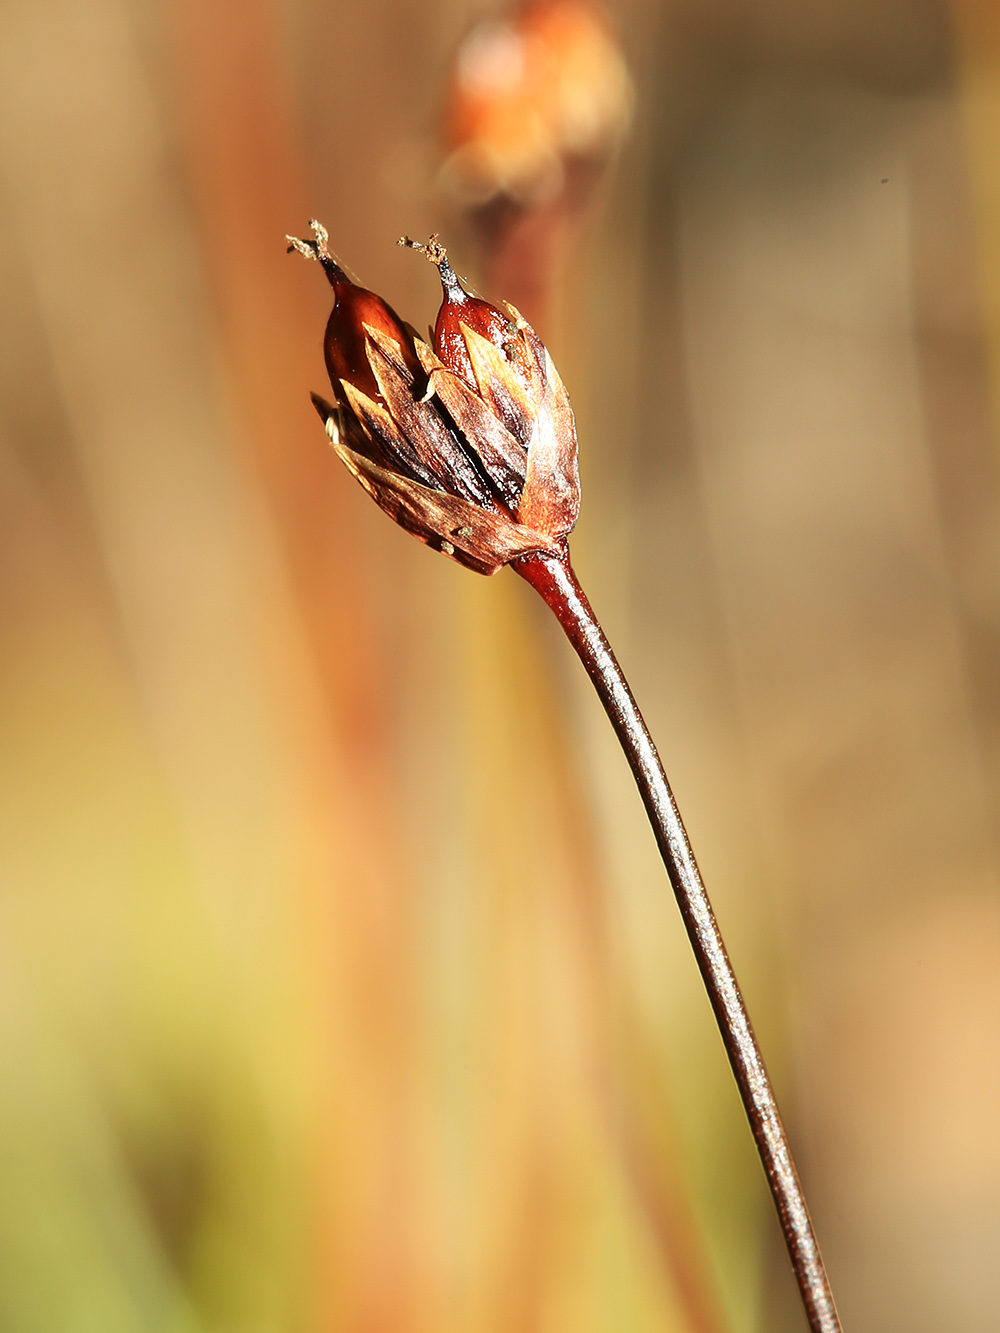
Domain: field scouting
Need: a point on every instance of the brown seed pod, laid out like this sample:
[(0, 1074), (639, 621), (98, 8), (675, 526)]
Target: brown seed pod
[(470, 445), (344, 343)]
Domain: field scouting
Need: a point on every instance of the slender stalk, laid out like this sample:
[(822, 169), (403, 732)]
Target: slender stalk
[(555, 581)]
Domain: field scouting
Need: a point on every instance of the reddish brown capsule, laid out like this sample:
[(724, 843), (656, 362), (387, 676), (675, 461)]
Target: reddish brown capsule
[(460, 307), (497, 354), (504, 361), (345, 343)]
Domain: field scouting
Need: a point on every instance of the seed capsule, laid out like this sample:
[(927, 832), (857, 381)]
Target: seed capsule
[(470, 445), (345, 345), (497, 354), (459, 307)]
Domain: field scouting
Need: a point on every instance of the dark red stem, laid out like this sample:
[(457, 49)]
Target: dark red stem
[(555, 581)]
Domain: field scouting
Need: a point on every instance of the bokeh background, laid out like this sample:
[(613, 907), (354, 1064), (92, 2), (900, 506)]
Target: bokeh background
[(340, 986)]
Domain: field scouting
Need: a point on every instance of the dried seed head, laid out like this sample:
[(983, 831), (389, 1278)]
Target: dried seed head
[(470, 444)]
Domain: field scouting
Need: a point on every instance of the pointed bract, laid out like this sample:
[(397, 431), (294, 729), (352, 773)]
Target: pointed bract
[(500, 386), (481, 539), (551, 497), (504, 458), (439, 449)]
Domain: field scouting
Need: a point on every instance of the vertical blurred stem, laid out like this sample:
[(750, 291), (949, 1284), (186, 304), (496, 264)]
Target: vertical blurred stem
[(555, 581), (976, 29)]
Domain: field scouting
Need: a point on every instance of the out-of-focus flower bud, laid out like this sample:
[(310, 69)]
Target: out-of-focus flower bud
[(533, 96), (469, 444)]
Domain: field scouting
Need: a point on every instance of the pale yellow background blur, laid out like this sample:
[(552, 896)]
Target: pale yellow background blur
[(340, 986)]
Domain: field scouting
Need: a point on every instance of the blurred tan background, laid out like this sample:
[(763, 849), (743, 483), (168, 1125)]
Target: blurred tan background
[(340, 985)]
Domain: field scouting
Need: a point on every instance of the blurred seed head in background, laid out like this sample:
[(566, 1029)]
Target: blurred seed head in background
[(540, 99), (537, 95)]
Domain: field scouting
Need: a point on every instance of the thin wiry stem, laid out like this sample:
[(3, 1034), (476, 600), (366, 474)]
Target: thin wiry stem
[(555, 581)]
